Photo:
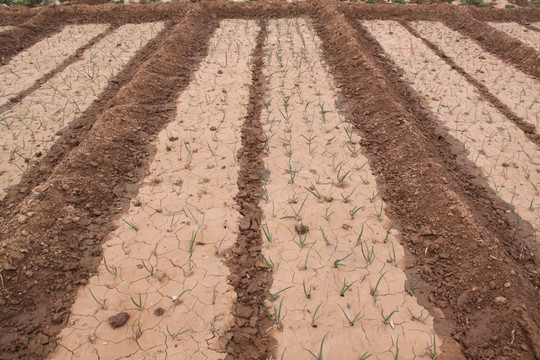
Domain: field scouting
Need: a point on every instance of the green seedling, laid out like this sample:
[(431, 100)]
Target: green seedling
[(315, 192), (359, 239), (386, 319), (307, 293), (354, 210), (139, 304), (388, 233), (273, 297), (345, 287), (265, 174), (151, 272), (305, 261), (324, 237), (341, 178), (338, 262), (297, 213), (347, 198), (276, 317), (320, 356), (315, 317), (376, 287), (112, 270), (351, 321), (420, 318), (354, 150), (396, 356), (136, 329), (100, 303), (365, 356), (394, 254), (367, 254), (178, 298), (378, 212), (267, 233), (413, 283), (175, 335), (327, 215), (432, 349), (268, 262), (131, 225), (221, 333), (302, 240)]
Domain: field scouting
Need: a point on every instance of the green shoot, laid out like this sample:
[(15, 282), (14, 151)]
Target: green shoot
[(268, 262), (420, 318), (341, 178), (267, 233), (368, 255), (276, 317), (137, 304), (345, 287), (100, 303), (388, 232), (356, 209), (386, 319), (131, 225), (365, 356), (320, 356), (338, 263), (351, 321), (315, 317), (324, 237), (432, 350), (175, 335), (413, 284), (307, 293), (347, 198), (112, 270), (315, 192), (177, 299), (376, 287), (359, 239), (374, 196), (274, 296), (305, 261), (378, 212), (151, 272)]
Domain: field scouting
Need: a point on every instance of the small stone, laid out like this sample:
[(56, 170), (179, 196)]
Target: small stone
[(213, 128), (500, 299), (524, 347), (22, 219), (24, 232), (507, 284), (57, 318)]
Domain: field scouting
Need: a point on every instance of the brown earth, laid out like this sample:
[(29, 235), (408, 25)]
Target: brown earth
[(53, 222)]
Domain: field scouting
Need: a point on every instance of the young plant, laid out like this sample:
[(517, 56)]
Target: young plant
[(413, 284), (307, 293), (351, 321), (386, 319), (268, 262), (315, 192), (175, 335), (367, 254), (345, 287), (274, 296), (151, 272), (100, 303), (354, 210), (177, 299), (338, 262), (420, 318), (267, 233), (139, 304), (341, 178), (320, 356), (276, 317), (376, 287), (315, 317), (324, 237), (432, 349)]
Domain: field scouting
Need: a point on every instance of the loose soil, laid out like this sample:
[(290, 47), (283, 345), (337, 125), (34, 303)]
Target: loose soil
[(476, 258)]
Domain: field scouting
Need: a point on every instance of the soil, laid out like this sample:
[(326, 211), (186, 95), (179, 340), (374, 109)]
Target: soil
[(462, 239)]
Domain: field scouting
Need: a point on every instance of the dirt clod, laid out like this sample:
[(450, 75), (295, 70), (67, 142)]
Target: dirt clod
[(118, 320)]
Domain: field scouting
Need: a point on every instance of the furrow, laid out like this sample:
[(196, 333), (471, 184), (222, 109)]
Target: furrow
[(334, 255), (492, 142), (30, 65), (520, 92), (251, 281), (32, 125), (528, 37), (164, 263)]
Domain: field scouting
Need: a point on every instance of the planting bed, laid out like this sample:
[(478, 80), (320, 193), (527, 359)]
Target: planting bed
[(269, 180)]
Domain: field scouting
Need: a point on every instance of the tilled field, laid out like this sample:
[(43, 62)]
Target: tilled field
[(269, 180)]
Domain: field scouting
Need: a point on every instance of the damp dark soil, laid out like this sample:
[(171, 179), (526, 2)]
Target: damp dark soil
[(53, 223)]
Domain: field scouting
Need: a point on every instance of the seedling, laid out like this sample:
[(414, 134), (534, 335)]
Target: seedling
[(136, 329), (368, 255), (327, 215), (320, 356), (139, 304), (351, 321), (345, 287), (413, 284), (432, 349), (347, 198), (177, 299), (175, 335), (100, 303), (420, 318), (267, 233), (338, 262), (151, 272), (354, 210), (315, 317), (296, 213), (305, 261), (365, 356), (307, 292), (315, 192), (324, 237), (268, 262), (378, 212), (131, 225), (276, 317), (376, 287), (386, 319), (274, 296), (302, 240), (341, 178), (388, 233)]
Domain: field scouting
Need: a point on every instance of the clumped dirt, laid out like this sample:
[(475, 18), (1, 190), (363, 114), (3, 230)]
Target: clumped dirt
[(463, 242), (118, 320)]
